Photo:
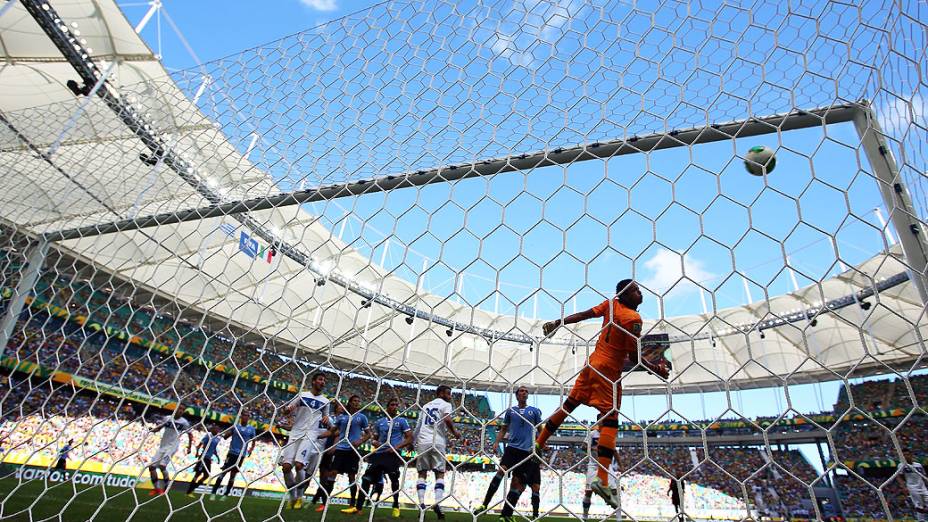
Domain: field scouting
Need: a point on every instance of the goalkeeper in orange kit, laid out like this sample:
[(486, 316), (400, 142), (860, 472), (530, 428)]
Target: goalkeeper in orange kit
[(598, 384)]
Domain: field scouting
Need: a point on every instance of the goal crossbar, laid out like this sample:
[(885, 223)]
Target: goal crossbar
[(795, 120)]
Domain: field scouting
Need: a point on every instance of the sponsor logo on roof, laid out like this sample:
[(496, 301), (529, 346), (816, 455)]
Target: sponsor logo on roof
[(248, 244)]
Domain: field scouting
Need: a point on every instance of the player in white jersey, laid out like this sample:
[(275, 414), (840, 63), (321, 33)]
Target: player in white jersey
[(432, 444), (319, 432), (308, 454), (914, 475), (174, 426), (592, 468), (309, 413)]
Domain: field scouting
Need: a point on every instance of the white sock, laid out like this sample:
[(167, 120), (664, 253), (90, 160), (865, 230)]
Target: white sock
[(289, 481), (420, 491), (300, 486), (439, 490)]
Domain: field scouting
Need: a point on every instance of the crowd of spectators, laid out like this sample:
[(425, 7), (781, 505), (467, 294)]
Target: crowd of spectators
[(862, 497), (883, 394), (36, 420), (164, 325), (872, 446), (873, 440), (59, 345), (727, 474), (783, 480), (727, 479)]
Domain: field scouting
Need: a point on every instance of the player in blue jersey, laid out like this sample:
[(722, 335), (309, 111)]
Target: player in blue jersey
[(377, 492), (63, 453), (207, 450), (352, 433), (391, 434), (241, 443), (327, 448), (520, 423)]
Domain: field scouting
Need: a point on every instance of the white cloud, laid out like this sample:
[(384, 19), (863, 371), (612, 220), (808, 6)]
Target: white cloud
[(531, 21), (667, 268), (321, 5), (898, 116), (503, 47)]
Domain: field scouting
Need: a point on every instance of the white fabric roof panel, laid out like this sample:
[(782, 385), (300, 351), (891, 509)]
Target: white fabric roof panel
[(104, 171), (101, 24), (199, 265)]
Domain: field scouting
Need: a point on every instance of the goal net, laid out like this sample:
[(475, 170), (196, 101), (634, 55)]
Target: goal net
[(400, 199)]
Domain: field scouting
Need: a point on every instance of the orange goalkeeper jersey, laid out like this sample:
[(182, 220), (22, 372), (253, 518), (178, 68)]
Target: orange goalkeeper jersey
[(619, 334)]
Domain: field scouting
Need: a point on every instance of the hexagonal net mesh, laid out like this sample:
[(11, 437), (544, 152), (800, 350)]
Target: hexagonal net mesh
[(401, 198)]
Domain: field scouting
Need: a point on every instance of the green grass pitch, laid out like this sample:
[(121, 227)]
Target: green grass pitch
[(37, 501)]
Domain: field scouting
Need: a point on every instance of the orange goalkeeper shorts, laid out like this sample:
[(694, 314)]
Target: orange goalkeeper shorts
[(598, 385)]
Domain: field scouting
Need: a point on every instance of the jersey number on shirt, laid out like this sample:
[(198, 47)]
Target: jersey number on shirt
[(431, 416)]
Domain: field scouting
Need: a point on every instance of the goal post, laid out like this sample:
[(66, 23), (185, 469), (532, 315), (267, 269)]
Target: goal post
[(908, 225)]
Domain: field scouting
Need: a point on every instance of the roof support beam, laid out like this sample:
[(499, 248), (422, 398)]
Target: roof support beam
[(35, 259)]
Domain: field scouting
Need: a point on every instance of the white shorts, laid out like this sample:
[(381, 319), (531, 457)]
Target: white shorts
[(432, 459), (919, 499), (592, 469), (312, 463), (163, 457), (299, 450)]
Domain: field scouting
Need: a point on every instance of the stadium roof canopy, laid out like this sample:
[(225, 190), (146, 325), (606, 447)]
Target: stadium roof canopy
[(70, 161)]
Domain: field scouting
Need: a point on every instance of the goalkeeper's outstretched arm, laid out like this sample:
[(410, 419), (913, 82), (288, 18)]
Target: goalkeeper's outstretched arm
[(551, 326)]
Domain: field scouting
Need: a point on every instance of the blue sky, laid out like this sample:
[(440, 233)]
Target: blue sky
[(575, 255), (216, 28), (567, 230)]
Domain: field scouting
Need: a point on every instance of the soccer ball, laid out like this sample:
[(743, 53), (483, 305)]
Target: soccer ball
[(759, 157)]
